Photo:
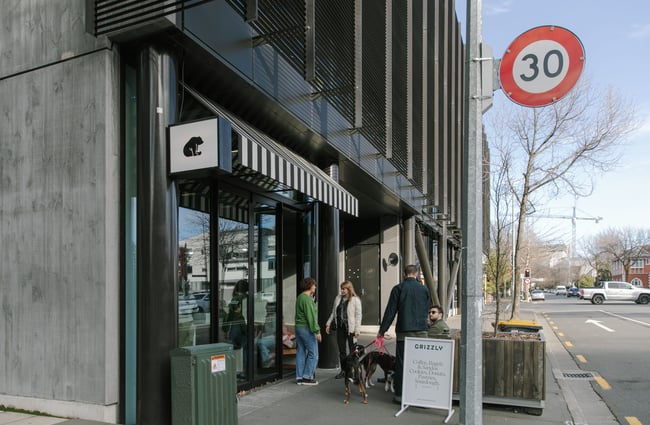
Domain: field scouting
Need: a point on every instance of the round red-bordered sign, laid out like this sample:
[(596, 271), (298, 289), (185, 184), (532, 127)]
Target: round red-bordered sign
[(541, 66)]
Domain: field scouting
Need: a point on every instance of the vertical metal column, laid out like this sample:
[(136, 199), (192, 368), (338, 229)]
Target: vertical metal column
[(328, 273), (471, 373), (157, 244)]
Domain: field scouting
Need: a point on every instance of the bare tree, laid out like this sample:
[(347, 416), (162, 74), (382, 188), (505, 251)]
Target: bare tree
[(624, 245), (555, 149), (498, 269)]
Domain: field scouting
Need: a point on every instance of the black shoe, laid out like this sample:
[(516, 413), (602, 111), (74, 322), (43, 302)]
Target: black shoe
[(339, 375), (310, 382), (381, 380)]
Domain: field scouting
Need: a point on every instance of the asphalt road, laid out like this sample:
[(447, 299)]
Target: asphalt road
[(612, 341)]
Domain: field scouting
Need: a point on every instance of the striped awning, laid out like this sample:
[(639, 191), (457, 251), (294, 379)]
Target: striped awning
[(264, 155)]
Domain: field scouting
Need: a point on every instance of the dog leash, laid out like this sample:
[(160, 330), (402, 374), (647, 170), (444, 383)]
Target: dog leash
[(380, 345)]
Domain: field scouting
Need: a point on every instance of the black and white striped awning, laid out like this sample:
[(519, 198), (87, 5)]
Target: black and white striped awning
[(281, 164), (264, 155)]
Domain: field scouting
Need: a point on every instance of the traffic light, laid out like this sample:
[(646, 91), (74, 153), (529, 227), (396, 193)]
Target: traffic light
[(526, 272)]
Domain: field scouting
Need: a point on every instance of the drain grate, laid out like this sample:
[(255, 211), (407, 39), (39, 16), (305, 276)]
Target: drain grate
[(578, 374)]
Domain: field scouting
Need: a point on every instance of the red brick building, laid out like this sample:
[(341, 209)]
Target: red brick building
[(639, 273)]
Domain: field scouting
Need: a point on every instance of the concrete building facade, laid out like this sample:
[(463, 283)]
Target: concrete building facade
[(157, 152)]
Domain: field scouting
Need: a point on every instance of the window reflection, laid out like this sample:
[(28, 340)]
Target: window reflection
[(194, 295)]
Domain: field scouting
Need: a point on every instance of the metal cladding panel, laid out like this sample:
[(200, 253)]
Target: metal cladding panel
[(278, 79), (334, 59), (417, 95), (111, 17), (399, 83), (374, 75), (280, 24)]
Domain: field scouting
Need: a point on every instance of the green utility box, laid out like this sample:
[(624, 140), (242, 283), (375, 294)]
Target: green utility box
[(204, 385)]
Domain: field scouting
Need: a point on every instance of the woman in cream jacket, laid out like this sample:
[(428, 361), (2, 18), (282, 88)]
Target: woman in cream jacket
[(345, 319)]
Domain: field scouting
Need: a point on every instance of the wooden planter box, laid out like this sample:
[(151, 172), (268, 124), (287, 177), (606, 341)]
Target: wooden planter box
[(514, 369)]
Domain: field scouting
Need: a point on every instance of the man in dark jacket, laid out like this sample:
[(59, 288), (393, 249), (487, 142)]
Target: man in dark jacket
[(410, 301)]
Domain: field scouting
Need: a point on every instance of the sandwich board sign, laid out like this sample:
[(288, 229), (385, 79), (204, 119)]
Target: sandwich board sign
[(541, 66), (428, 374)]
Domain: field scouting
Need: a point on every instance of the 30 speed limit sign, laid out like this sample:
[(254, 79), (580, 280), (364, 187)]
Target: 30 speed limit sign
[(541, 66)]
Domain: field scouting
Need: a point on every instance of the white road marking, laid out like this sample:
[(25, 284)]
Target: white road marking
[(597, 323), (626, 318)]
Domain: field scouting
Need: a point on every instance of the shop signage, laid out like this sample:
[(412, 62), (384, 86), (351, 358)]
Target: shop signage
[(428, 374), (194, 146)]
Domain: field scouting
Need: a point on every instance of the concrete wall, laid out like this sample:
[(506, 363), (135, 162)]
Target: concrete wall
[(59, 212), (390, 243)]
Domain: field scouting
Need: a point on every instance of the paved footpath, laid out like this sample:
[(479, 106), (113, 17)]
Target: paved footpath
[(568, 401)]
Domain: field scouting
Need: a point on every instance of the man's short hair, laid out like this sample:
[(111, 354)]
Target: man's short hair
[(437, 307), (411, 269)]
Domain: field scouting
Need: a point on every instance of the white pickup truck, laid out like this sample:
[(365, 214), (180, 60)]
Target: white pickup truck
[(615, 291)]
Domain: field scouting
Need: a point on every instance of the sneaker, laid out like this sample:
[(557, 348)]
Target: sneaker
[(339, 375), (310, 382), (299, 381)]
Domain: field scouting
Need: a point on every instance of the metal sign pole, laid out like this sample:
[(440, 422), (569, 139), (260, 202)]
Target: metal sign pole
[(471, 374)]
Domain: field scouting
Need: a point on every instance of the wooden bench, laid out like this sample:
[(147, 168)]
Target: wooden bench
[(286, 352)]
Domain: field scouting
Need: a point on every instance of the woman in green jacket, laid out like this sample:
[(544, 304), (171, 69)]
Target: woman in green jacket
[(307, 333)]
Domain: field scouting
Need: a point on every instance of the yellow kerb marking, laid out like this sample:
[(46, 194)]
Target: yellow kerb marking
[(568, 344), (560, 333), (603, 384), (581, 358), (632, 420)]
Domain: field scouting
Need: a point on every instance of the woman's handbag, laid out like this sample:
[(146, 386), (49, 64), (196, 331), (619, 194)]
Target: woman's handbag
[(333, 325)]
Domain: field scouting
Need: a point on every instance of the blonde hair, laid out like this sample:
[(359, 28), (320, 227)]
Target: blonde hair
[(348, 285)]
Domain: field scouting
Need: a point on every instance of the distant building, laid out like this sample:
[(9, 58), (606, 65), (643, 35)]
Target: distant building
[(639, 274)]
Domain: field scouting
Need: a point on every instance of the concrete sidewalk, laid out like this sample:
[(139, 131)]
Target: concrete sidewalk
[(568, 400)]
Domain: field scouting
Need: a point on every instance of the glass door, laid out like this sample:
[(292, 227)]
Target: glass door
[(265, 293), (234, 274)]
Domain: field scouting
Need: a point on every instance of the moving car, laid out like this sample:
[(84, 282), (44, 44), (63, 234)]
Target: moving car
[(537, 295), (615, 291), (573, 292), (560, 290)]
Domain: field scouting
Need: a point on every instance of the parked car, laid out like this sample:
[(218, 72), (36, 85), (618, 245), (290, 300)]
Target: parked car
[(203, 301), (560, 290), (186, 307), (615, 291), (537, 295), (573, 292)]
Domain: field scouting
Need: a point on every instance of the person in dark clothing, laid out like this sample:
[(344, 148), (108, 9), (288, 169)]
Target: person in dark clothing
[(410, 301), (345, 320)]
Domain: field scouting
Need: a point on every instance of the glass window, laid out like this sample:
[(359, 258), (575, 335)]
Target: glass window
[(233, 288), (194, 297)]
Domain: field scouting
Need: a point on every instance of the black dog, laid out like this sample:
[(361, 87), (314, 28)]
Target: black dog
[(386, 362), (352, 369)]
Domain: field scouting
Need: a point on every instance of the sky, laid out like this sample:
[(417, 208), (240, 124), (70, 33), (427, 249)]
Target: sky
[(616, 39)]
